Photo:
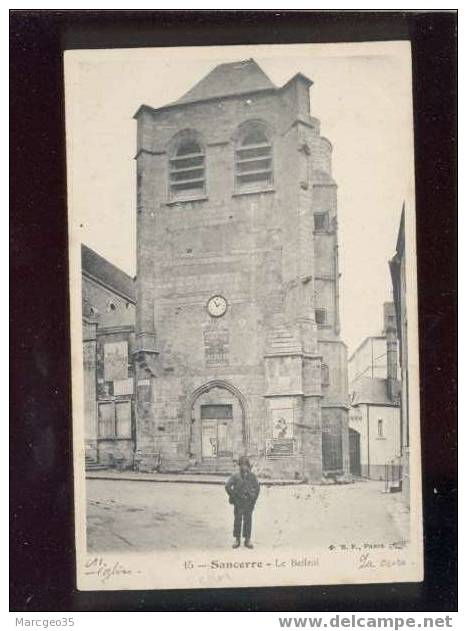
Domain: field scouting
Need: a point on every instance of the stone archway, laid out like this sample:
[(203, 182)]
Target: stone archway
[(217, 416)]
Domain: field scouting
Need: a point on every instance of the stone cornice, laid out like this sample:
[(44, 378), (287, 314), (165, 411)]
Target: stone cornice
[(149, 152), (298, 393), (118, 328), (293, 353), (212, 99)]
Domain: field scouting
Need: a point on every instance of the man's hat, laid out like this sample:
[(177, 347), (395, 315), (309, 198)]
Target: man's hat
[(244, 460)]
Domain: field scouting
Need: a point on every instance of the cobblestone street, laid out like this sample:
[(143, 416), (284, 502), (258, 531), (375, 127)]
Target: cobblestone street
[(142, 515)]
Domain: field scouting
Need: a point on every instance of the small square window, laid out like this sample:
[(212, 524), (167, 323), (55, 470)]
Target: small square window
[(320, 316), (321, 221)]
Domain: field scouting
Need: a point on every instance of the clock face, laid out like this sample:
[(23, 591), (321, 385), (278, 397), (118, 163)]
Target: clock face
[(217, 306)]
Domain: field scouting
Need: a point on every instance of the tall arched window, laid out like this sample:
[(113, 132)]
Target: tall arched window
[(187, 169), (253, 160)]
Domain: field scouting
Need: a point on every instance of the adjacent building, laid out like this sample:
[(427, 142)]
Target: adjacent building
[(397, 267), (108, 307), (237, 344), (374, 422), (370, 358)]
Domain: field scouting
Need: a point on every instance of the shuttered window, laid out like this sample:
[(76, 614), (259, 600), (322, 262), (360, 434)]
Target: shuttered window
[(253, 161), (187, 170)]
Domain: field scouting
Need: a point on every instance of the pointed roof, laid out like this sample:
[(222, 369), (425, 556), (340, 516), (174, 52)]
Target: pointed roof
[(229, 79)]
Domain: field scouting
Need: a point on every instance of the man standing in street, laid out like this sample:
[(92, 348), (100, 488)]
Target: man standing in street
[(243, 490)]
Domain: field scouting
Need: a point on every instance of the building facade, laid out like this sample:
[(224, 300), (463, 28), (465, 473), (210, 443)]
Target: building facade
[(237, 345), (398, 275), (374, 420), (370, 359), (108, 307)]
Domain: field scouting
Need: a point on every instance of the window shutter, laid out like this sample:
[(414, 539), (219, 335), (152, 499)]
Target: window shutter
[(253, 161), (187, 169)]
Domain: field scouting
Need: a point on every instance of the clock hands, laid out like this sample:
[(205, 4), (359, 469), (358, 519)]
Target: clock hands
[(217, 305)]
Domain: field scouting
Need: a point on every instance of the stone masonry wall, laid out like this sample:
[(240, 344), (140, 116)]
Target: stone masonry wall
[(254, 249)]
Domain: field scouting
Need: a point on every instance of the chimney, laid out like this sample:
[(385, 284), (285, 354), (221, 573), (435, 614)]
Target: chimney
[(390, 332)]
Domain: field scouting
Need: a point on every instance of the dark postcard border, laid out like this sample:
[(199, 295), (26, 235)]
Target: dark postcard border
[(41, 490)]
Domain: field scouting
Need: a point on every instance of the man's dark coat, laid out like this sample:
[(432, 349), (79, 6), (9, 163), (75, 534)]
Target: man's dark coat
[(243, 490)]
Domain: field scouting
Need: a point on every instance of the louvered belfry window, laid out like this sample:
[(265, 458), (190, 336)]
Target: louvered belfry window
[(187, 170), (253, 161)]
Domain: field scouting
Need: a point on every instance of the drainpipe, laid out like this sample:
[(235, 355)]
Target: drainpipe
[(337, 323), (368, 436)]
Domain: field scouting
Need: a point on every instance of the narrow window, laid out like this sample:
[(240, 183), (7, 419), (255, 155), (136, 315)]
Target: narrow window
[(380, 428), (187, 170), (253, 161), (320, 316), (324, 375)]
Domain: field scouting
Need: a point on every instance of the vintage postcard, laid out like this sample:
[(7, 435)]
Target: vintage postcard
[(244, 316)]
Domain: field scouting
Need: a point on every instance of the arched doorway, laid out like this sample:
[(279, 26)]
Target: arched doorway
[(218, 436)]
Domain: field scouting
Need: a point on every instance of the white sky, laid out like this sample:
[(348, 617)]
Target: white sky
[(361, 94)]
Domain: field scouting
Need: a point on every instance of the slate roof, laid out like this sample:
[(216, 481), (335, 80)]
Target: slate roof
[(370, 390), (101, 270), (228, 79)]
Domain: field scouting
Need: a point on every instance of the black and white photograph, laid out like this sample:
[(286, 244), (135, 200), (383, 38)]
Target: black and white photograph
[(243, 295)]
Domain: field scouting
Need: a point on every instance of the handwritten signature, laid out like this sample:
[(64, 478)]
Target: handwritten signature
[(366, 562), (96, 566)]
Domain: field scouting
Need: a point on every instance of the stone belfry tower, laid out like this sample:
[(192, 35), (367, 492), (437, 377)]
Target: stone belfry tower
[(237, 335)]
